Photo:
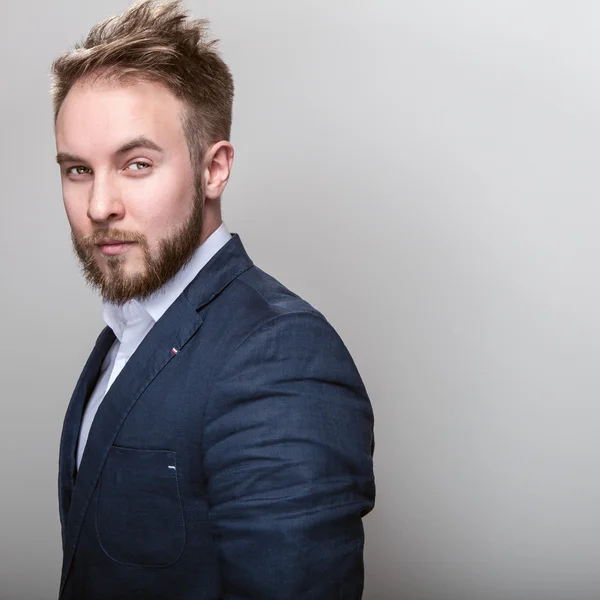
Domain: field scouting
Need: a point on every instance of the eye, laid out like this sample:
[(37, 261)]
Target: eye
[(79, 170), (138, 165)]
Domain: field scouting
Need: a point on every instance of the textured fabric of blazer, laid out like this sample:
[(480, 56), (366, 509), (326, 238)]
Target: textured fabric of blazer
[(231, 458)]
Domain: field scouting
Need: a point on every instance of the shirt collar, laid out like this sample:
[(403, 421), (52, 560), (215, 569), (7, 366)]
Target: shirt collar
[(118, 316)]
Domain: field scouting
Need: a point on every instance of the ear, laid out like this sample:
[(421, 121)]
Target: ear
[(217, 167)]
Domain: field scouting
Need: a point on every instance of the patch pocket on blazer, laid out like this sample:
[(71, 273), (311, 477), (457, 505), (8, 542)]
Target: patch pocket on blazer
[(139, 517)]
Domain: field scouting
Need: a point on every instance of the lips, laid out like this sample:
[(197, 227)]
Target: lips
[(112, 247)]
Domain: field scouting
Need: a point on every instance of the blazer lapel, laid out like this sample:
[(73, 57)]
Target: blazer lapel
[(179, 323), (172, 330), (70, 433)]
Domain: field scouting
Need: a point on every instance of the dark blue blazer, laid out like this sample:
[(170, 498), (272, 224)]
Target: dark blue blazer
[(230, 459)]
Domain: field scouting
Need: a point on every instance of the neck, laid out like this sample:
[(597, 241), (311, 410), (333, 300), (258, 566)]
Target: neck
[(212, 220)]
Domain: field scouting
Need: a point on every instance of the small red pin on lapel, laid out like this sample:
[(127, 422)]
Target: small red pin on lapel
[(174, 351)]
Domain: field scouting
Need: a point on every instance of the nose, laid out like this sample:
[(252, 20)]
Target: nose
[(105, 203)]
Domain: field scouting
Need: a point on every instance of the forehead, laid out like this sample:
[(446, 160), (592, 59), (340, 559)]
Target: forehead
[(99, 116)]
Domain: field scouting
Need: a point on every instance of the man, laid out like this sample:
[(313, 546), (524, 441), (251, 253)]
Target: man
[(218, 444)]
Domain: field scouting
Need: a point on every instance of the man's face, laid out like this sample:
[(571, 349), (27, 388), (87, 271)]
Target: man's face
[(130, 192)]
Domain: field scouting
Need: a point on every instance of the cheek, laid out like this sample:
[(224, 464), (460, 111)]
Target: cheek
[(166, 210), (75, 214)]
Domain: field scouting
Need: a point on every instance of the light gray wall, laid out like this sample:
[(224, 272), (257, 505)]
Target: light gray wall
[(426, 173)]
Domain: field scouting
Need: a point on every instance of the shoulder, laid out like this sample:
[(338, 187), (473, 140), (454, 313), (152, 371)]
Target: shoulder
[(256, 300), (267, 295), (258, 314)]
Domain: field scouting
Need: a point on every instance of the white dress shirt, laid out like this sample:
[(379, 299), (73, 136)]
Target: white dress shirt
[(134, 319)]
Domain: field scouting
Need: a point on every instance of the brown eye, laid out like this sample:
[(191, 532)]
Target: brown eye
[(79, 170), (139, 165)]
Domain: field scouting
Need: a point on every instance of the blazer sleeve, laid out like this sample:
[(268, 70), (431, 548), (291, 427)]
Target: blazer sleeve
[(288, 444)]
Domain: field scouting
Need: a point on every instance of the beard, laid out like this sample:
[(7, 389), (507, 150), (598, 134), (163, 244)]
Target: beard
[(174, 252)]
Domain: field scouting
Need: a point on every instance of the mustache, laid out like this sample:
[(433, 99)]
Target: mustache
[(115, 235)]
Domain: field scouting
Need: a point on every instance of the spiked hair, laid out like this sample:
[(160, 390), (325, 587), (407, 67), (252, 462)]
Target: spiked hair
[(158, 42)]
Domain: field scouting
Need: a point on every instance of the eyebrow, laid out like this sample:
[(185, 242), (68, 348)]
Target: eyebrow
[(139, 142)]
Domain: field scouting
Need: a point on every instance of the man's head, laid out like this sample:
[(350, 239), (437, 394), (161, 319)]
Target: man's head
[(142, 120)]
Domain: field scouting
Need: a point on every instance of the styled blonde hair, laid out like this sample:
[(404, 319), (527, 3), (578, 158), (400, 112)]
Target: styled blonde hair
[(158, 42)]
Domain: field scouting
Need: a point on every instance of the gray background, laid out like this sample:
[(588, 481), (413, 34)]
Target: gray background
[(425, 173)]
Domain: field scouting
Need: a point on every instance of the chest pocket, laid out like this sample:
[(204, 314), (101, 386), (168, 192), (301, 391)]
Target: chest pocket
[(139, 517)]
